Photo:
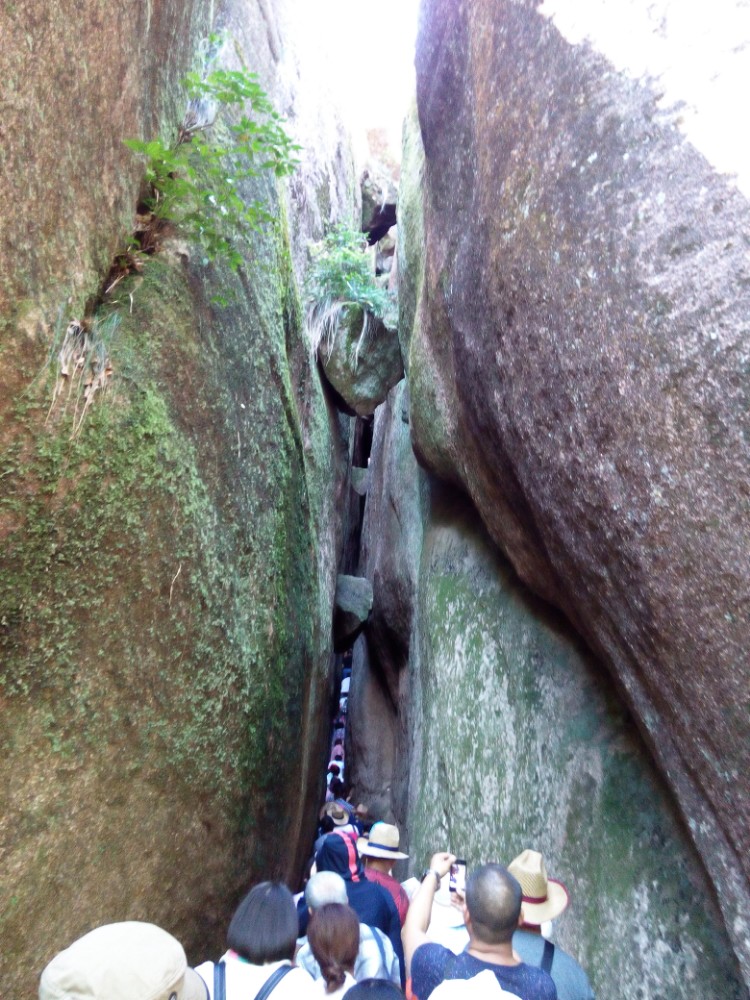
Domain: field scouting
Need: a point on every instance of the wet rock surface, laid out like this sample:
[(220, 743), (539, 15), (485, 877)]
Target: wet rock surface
[(578, 364)]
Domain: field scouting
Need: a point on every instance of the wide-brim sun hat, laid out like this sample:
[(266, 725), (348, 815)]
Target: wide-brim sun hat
[(543, 898), (340, 816), (383, 843), (131, 960)]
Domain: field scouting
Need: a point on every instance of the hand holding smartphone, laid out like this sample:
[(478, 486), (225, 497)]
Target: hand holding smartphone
[(457, 877)]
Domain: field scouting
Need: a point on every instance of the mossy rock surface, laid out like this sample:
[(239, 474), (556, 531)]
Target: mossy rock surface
[(166, 591), (519, 741)]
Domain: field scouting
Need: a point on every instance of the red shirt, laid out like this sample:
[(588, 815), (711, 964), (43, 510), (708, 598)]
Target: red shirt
[(394, 887)]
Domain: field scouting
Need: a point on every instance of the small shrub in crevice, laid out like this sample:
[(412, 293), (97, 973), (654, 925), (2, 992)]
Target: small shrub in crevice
[(194, 181), (341, 277)]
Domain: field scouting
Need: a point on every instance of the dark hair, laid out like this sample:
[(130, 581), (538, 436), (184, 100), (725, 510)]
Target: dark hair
[(374, 989), (264, 926), (337, 787), (326, 824), (333, 934), (493, 899), (334, 769)]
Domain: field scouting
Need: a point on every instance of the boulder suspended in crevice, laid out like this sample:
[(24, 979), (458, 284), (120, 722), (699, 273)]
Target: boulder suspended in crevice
[(361, 360), (352, 607), (360, 480)]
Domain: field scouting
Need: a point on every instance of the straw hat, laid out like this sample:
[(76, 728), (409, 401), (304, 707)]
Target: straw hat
[(543, 898), (339, 815), (383, 843)]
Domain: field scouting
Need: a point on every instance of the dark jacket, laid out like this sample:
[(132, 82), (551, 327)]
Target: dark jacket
[(372, 903)]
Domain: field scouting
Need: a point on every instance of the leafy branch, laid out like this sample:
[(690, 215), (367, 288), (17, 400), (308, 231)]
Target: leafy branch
[(195, 181)]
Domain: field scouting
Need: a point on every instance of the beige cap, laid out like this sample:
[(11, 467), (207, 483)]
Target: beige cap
[(125, 961)]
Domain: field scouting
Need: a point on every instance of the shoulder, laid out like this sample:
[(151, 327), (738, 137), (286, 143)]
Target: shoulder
[(428, 967), (296, 984), (430, 956), (540, 984)]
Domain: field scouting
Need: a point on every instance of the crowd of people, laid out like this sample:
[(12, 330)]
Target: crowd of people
[(354, 931)]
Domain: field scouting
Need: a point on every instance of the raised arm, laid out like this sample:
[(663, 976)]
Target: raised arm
[(417, 921)]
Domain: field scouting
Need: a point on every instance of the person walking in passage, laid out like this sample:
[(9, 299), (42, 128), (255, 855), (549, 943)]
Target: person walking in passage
[(543, 900), (492, 913), (262, 937), (334, 940), (371, 902), (380, 852), (376, 958), (122, 961)]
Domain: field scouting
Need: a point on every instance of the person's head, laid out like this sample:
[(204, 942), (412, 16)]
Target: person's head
[(337, 788), (264, 926), (121, 961), (334, 770), (380, 850), (327, 824), (325, 887), (333, 935), (338, 853), (493, 904), (375, 989)]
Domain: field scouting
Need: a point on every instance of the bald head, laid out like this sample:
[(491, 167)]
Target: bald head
[(493, 899), (325, 887)]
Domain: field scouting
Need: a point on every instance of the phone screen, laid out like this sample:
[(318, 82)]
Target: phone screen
[(457, 878)]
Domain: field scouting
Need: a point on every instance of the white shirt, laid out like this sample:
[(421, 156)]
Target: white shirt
[(244, 980), (320, 988), (482, 987)]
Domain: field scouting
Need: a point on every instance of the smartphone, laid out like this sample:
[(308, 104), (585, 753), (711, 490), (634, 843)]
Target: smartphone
[(457, 880)]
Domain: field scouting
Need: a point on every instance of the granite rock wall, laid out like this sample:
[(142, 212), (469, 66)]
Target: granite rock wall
[(167, 570), (578, 361)]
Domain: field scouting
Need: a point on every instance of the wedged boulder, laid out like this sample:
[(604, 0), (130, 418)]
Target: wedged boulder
[(360, 480), (351, 609), (362, 361), (578, 364)]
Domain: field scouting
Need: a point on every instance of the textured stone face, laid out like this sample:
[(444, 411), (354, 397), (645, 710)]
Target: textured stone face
[(518, 740), (166, 575), (362, 361), (390, 553), (351, 608), (579, 365), (508, 734)]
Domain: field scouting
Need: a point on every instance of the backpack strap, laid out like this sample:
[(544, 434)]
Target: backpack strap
[(547, 955), (220, 981), (381, 948), (272, 981)]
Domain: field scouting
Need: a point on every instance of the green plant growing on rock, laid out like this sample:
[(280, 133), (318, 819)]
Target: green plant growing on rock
[(194, 182), (341, 278)]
